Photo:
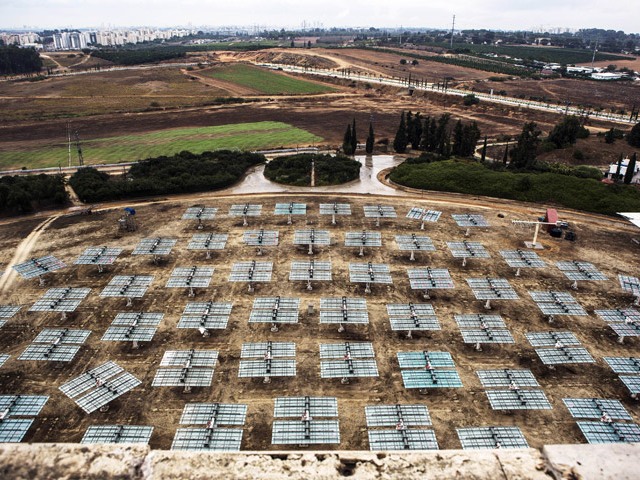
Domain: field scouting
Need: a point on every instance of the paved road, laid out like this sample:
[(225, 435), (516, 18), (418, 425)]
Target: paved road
[(432, 87)]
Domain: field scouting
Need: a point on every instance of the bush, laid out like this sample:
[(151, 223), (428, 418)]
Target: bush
[(470, 99), (578, 155), (633, 137), (546, 146), (585, 171), (181, 173), (23, 194), (296, 169), (473, 178), (567, 132)]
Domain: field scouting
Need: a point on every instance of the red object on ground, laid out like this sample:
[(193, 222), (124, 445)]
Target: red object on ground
[(551, 217)]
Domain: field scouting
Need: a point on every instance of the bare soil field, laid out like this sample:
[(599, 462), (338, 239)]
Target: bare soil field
[(607, 245), (388, 64), (100, 92), (605, 95), (595, 152)]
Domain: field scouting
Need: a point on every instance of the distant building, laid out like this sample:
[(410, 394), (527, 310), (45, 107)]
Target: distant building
[(613, 168), (606, 76), (580, 70), (69, 41)]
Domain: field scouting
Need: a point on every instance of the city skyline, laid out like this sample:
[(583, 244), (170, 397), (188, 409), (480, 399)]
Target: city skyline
[(513, 15)]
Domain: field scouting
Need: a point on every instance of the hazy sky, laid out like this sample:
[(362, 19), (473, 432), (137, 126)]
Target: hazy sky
[(491, 14)]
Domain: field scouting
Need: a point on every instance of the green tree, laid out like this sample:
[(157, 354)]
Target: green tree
[(347, 142), (633, 137), (505, 157), (470, 99), (401, 141), (567, 132), (442, 134), (370, 140), (631, 166), (523, 155), (470, 136), (609, 136), (458, 138), (425, 137), (433, 135), (619, 168), (354, 137), (414, 131)]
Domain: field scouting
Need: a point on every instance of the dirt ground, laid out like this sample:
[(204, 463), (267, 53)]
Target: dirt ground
[(606, 244)]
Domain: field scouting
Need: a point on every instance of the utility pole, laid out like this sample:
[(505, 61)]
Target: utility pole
[(80, 157), (453, 26), (595, 49), (69, 143)]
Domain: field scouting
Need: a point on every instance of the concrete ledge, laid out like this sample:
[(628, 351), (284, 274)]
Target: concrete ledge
[(68, 461), (615, 461)]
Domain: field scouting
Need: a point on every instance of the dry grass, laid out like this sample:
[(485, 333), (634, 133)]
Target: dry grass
[(100, 93)]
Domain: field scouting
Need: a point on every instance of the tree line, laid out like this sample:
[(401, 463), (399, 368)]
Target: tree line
[(136, 55), (26, 193), (15, 60), (436, 135), (184, 172)]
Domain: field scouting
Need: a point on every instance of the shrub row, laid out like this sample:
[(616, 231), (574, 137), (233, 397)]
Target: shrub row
[(181, 173), (23, 194), (473, 178)]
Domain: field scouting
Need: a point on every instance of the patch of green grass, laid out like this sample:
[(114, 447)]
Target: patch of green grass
[(265, 81), (128, 148)]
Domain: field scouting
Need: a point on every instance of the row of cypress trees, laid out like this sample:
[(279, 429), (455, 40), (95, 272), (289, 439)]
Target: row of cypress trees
[(436, 135), (350, 141)]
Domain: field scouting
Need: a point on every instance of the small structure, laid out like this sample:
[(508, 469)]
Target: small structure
[(267, 359), (55, 345), (251, 272), (208, 242), (244, 211), (205, 316), (186, 368), (399, 432), (39, 267), (133, 327), (343, 311), (334, 209), (483, 438), (309, 271), (275, 310), (117, 434), (306, 429), (261, 238), (97, 387), (99, 256), (14, 429), (200, 213), (424, 370), (211, 437), (347, 360)]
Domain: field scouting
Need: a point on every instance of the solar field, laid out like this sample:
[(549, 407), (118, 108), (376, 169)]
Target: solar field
[(154, 352)]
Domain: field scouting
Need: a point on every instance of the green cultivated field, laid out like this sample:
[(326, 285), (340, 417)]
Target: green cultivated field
[(544, 54), (128, 148), (265, 81)]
